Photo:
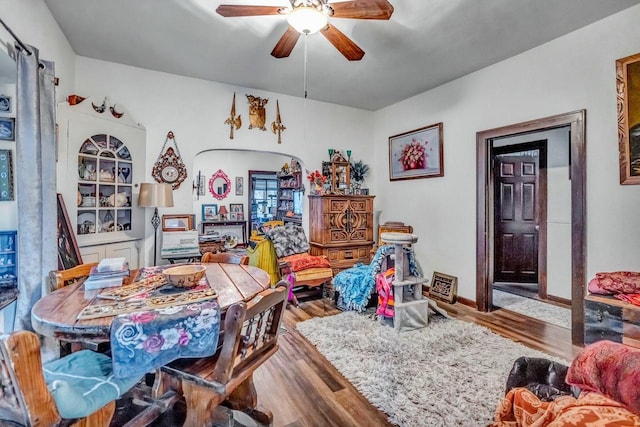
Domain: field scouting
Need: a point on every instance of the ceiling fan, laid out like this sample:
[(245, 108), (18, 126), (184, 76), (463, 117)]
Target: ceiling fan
[(311, 16)]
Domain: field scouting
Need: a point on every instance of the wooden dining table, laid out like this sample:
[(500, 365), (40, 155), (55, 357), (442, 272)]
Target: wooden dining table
[(56, 314)]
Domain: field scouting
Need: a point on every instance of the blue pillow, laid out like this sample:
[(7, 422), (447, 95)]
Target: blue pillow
[(83, 382)]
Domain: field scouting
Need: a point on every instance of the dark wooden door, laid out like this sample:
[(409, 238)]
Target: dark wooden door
[(516, 219)]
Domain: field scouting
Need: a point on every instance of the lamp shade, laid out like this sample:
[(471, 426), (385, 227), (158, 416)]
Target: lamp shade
[(154, 195), (223, 210), (307, 19)]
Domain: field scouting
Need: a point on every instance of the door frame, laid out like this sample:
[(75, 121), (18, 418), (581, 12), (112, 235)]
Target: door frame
[(576, 120), (541, 195)]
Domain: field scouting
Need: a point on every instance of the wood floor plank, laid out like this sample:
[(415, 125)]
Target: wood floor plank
[(303, 389)]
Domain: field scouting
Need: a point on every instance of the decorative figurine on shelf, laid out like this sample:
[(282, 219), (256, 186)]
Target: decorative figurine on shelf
[(233, 120), (284, 170), (257, 112)]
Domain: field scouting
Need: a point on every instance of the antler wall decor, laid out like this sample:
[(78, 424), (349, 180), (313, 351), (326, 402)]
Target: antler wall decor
[(233, 120), (277, 126)]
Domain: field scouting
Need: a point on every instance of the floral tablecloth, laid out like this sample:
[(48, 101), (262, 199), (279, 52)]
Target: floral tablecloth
[(143, 341)]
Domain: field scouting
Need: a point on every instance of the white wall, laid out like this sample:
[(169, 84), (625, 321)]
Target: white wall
[(195, 110), (570, 73)]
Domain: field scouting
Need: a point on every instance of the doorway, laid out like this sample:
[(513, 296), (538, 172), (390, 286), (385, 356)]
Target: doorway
[(519, 174), (575, 123), (263, 197)]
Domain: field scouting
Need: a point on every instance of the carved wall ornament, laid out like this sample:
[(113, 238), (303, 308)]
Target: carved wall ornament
[(257, 112), (277, 126), (233, 120), (169, 167)]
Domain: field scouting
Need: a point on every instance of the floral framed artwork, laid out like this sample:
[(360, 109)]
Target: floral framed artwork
[(209, 212), (416, 154), (628, 96)]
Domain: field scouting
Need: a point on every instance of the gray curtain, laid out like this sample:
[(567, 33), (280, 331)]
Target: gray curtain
[(36, 180)]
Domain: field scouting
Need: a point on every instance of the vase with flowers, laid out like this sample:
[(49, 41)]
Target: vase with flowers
[(316, 181)]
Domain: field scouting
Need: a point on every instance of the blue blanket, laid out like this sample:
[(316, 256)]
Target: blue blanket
[(146, 340), (356, 284)]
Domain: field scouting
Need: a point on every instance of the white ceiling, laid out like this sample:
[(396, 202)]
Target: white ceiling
[(425, 43)]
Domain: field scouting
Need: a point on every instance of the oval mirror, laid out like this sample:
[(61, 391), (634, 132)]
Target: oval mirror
[(219, 185)]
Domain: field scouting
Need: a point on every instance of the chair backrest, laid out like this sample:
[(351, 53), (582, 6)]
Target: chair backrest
[(393, 226), (250, 333), (24, 397), (61, 278), (225, 257)]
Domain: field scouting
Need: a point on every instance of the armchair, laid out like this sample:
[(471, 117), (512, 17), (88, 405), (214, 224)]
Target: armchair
[(300, 269)]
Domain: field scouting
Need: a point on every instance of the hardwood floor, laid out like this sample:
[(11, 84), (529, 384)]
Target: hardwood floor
[(302, 389)]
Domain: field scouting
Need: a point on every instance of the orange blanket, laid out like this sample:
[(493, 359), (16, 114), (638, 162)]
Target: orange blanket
[(521, 408)]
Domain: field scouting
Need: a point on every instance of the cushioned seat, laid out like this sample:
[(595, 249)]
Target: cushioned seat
[(296, 265), (77, 387), (83, 382)]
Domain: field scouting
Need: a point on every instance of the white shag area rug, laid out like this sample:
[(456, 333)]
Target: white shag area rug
[(549, 313), (451, 373)]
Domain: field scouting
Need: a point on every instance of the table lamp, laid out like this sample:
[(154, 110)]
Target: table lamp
[(156, 196), (223, 212)]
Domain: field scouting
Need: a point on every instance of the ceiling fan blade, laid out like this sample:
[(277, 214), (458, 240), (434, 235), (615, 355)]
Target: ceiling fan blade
[(362, 9), (348, 48), (286, 43), (232, 10)]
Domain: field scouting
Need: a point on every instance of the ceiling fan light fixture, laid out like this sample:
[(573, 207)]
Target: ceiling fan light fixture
[(307, 19)]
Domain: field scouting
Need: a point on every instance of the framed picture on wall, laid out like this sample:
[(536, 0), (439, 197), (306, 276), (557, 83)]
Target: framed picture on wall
[(239, 186), (6, 175), (5, 104), (628, 96), (209, 212), (416, 154), (7, 128)]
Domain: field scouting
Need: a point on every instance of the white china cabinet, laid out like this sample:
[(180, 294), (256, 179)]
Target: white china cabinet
[(101, 155)]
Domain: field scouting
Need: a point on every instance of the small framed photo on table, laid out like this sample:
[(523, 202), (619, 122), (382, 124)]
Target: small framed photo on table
[(236, 208), (7, 128), (182, 222)]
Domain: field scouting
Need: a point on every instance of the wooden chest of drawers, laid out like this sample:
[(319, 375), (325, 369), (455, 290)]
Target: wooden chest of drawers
[(341, 228), (608, 318)]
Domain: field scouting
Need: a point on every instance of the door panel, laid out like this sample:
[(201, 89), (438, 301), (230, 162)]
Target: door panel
[(516, 222)]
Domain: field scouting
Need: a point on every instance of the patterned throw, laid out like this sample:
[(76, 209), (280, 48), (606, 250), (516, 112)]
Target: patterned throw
[(144, 341), (356, 284)]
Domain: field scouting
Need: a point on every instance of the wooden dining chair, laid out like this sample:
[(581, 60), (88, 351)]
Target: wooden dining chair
[(225, 257), (249, 338), (82, 391), (61, 278)]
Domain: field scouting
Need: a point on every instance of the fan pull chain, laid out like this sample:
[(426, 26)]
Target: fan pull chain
[(305, 66)]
